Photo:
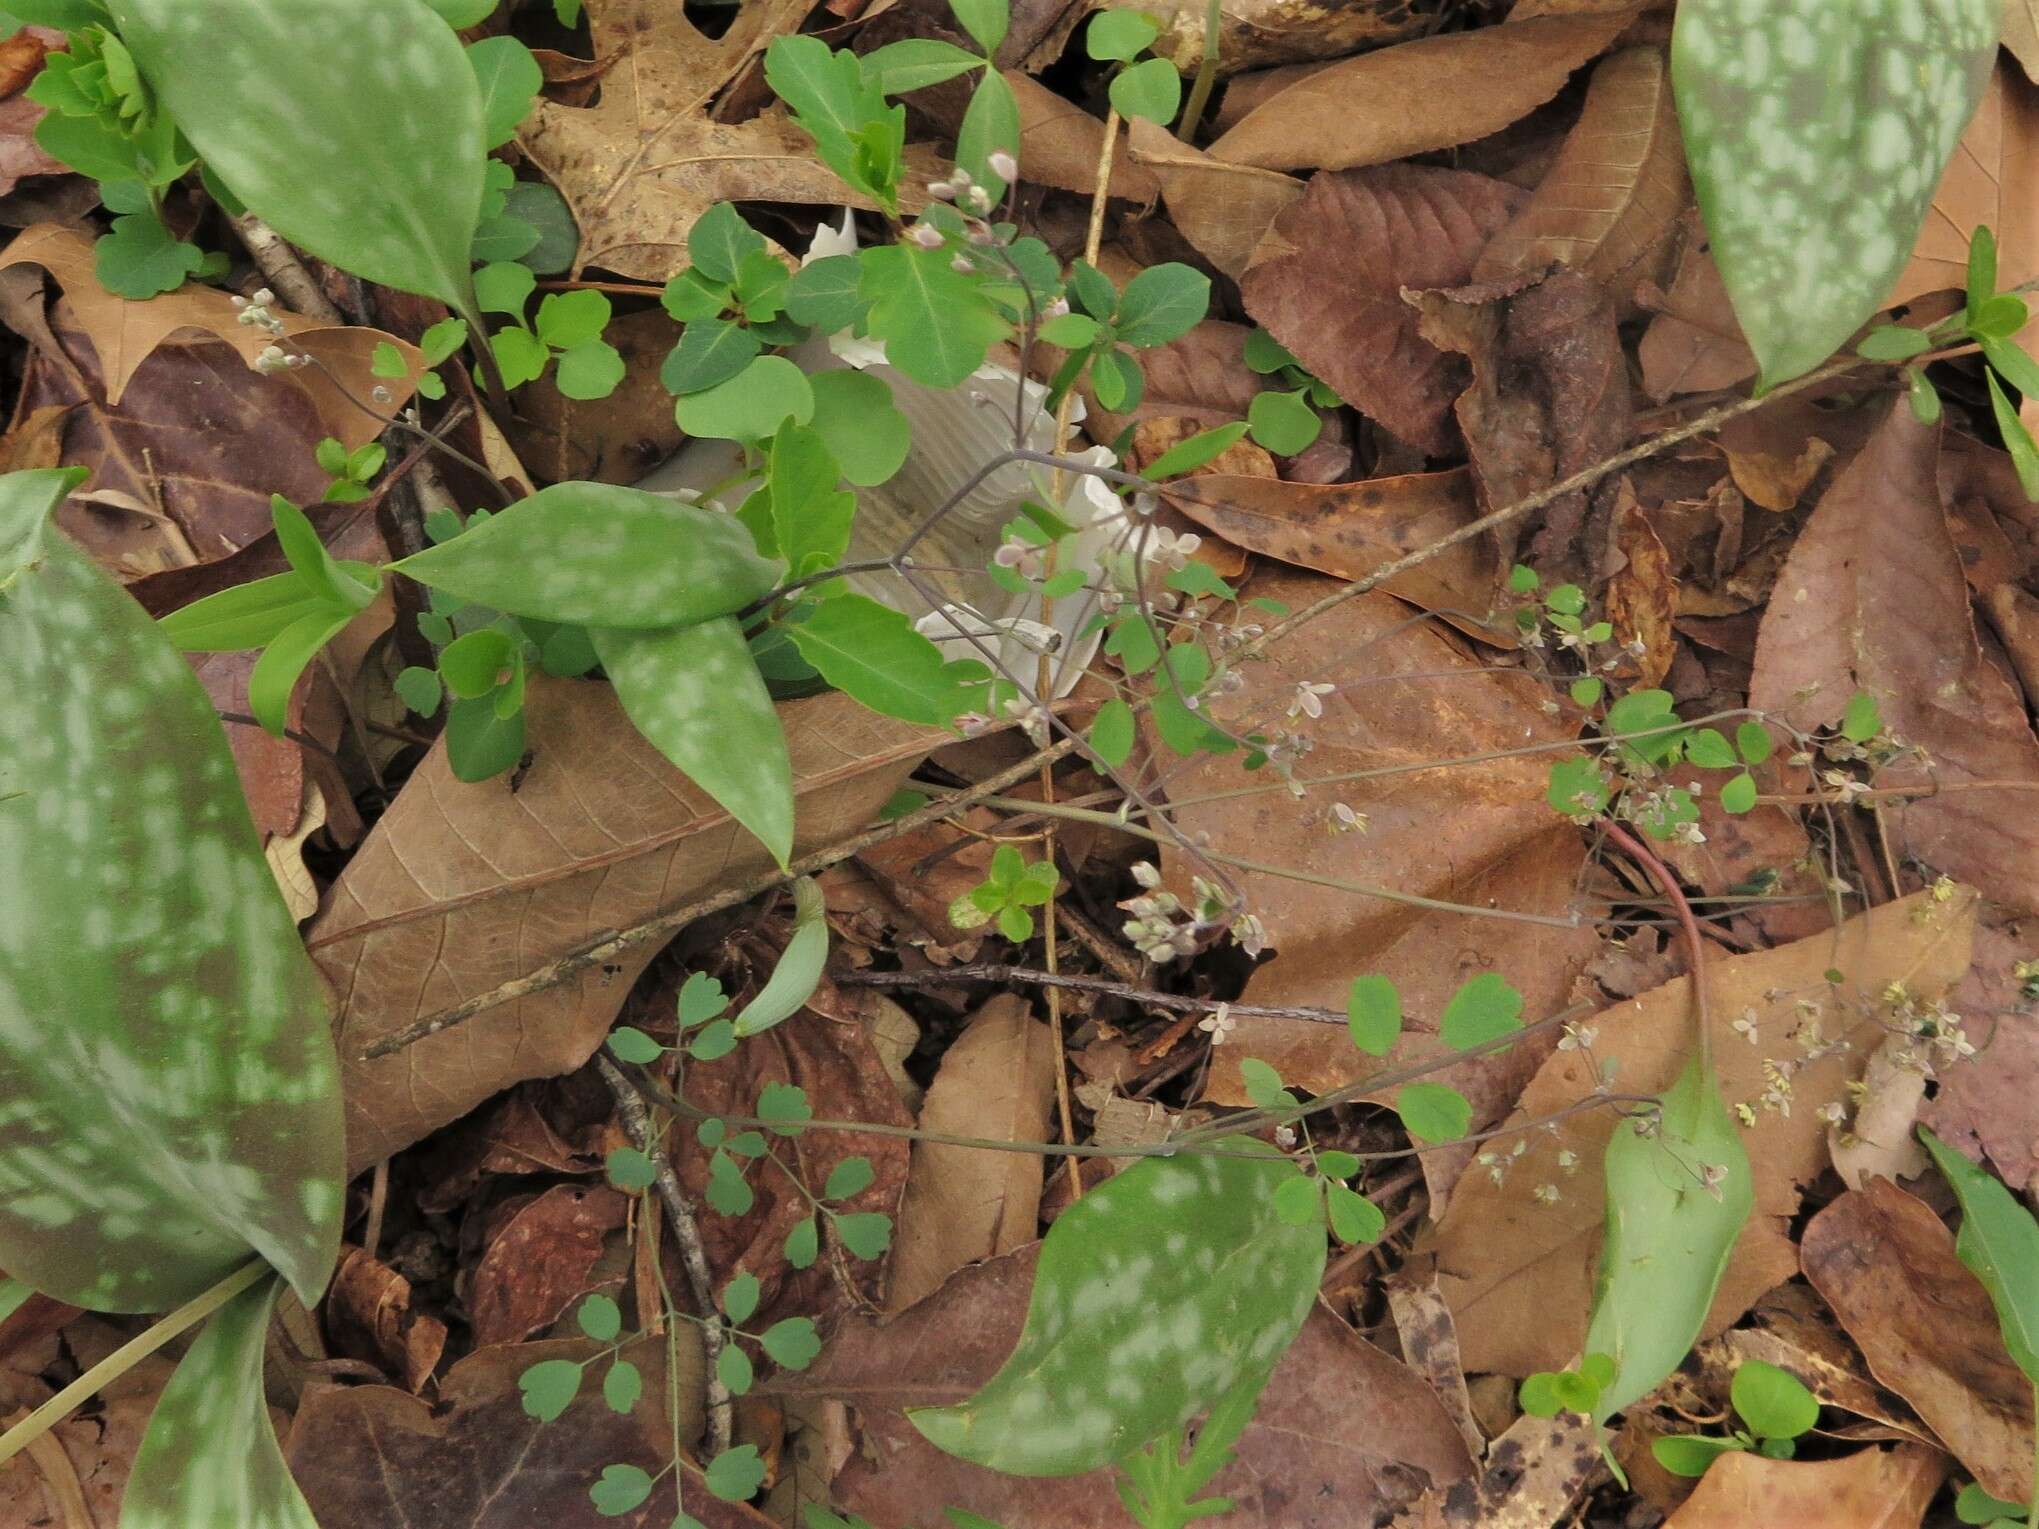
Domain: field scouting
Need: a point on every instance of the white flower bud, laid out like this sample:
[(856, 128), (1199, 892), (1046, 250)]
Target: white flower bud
[(1003, 165), (926, 235)]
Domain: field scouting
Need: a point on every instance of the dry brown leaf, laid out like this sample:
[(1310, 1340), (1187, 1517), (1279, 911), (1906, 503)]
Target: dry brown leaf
[(1642, 597), (1383, 229), (99, 1448), (1418, 96), (1987, 1105), (1301, 1463), (997, 1080), (1878, 1141), (1615, 193), (2021, 34), (1349, 529), (1202, 377), (540, 1251), (1872, 598), (1871, 1489), (461, 887), (1223, 209), (1253, 34), (1694, 344), (1886, 1265), (369, 1316), (124, 334), (1061, 143), (376, 1455), (646, 160), (1519, 1273), (1536, 1471), (1430, 1348), (1408, 696)]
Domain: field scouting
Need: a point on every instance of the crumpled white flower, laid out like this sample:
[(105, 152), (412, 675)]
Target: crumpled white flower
[(955, 433)]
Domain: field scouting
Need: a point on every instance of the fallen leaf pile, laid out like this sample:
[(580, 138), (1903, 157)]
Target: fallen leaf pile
[(1472, 222)]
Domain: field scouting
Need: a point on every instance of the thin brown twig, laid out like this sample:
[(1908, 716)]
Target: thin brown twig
[(679, 1210), (996, 971)]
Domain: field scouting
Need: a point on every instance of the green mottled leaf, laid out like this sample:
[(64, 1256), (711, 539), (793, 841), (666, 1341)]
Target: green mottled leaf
[(210, 1454), (1816, 133), (187, 1108), (599, 554), (697, 696), (1999, 1244), (1676, 1202), (356, 131), (798, 973), (1155, 1295)]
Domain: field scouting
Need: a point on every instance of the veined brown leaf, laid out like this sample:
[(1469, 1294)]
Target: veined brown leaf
[(1220, 207), (1617, 187), (462, 887)]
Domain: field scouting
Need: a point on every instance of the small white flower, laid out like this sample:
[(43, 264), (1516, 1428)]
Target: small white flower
[(1285, 1137), (272, 360), (961, 265), (1250, 933), (944, 191), (1568, 1160), (926, 235), (1056, 309), (1547, 1194), (263, 297), (1745, 1027), (1345, 820), (1690, 833), (1578, 1037), (1309, 699), (381, 394), (1834, 1113), (1219, 1024), (1003, 165), (979, 199)]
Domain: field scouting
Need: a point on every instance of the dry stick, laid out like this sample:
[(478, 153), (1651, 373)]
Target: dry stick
[(285, 272), (665, 925), (687, 1233), (994, 971)]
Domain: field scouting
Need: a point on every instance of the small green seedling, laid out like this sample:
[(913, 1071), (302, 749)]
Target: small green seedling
[(1006, 894), (1283, 415), (349, 471), (569, 328), (1775, 1405), (1148, 88)]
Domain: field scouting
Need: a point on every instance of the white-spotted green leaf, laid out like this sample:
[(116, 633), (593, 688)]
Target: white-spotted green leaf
[(599, 554), (355, 130), (210, 1454), (1155, 1295), (1816, 133), (798, 973), (695, 693), (1677, 1199), (187, 1107)]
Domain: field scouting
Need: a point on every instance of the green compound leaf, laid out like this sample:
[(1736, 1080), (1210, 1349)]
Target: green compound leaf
[(1155, 1296), (210, 1454), (599, 554), (621, 1488), (1999, 1243), (1816, 133), (355, 130), (736, 1474), (187, 1108), (695, 693), (1676, 1202), (549, 1387)]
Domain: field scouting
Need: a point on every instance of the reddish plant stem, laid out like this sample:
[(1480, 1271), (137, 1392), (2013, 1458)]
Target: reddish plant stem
[(1661, 874)]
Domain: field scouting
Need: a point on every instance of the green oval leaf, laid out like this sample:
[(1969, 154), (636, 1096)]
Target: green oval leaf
[(1155, 1295), (798, 973), (1483, 1009), (1999, 1243), (1816, 134), (697, 696), (1433, 1113), (599, 554), (1373, 1010), (356, 131), (871, 652), (187, 1108), (750, 405), (1150, 90), (1773, 1402)]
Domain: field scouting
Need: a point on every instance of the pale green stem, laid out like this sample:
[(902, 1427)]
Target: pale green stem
[(1206, 77), (126, 1357)]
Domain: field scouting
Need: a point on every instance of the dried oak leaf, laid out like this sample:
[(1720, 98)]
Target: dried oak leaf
[(641, 164), (1885, 1264), (1612, 198), (377, 1455), (1301, 1464), (462, 887), (1418, 96), (1870, 1489), (540, 1253), (1410, 701), (1872, 598), (1222, 208), (996, 1080), (1519, 1272), (1383, 230)]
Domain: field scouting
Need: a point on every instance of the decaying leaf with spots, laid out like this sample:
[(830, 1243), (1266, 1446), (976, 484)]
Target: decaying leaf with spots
[(186, 1110)]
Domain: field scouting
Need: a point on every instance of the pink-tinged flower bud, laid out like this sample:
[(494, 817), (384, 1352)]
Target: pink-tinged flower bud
[(1004, 166), (926, 235)]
